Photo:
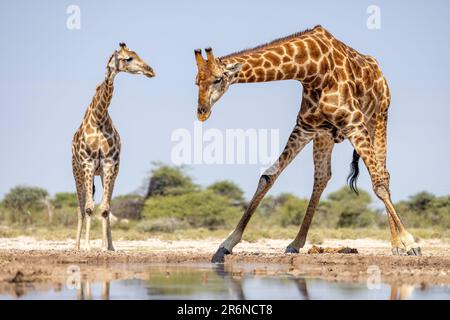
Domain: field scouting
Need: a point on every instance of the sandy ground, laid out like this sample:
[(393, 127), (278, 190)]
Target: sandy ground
[(26, 260)]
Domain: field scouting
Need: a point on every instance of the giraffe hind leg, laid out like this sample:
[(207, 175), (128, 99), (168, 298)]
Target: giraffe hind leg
[(364, 146), (109, 175), (80, 210)]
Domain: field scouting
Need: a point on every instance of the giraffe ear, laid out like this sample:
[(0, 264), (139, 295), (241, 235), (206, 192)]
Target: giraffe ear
[(233, 68)]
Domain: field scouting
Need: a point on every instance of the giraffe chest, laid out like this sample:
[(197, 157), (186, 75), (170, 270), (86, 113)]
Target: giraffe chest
[(98, 144)]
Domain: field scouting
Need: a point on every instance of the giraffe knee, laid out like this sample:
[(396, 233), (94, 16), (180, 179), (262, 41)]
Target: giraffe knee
[(105, 211), (382, 191), (89, 209), (265, 181)]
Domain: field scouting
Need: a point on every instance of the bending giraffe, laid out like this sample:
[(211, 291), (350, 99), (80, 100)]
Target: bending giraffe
[(345, 96), (96, 145)]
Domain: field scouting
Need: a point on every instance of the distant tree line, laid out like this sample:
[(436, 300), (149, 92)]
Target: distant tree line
[(171, 200)]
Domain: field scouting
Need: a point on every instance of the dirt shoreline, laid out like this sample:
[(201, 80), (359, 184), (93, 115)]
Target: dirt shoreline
[(26, 260)]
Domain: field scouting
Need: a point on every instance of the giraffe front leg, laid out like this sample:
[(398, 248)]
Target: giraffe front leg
[(297, 140), (323, 147), (109, 175), (360, 138)]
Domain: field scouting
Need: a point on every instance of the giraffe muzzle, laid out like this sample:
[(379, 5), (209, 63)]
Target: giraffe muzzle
[(203, 114), (150, 73)]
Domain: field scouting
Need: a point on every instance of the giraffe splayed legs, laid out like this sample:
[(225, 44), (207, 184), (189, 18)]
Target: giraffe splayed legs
[(345, 96)]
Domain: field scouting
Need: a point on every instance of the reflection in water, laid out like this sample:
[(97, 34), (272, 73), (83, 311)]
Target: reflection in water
[(211, 282), (402, 292), (84, 290)]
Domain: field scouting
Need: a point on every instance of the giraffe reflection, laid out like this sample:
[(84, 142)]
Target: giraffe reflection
[(234, 277), (84, 291)]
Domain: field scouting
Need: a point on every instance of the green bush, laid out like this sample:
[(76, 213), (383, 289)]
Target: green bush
[(196, 209), (66, 216), (166, 181), (23, 204), (425, 210), (128, 207), (292, 211), (229, 190), (168, 224), (350, 210), (63, 199)]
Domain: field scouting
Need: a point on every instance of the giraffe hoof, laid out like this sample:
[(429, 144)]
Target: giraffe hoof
[(398, 251), (290, 249), (414, 252), (219, 256)]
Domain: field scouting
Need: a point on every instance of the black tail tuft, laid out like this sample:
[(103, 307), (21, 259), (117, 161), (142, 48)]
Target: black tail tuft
[(352, 178), (93, 189)]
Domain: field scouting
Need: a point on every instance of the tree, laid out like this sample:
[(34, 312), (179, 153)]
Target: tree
[(292, 210), (166, 180), (229, 190), (128, 206), (425, 210), (197, 209), (63, 199), (23, 200), (345, 209)]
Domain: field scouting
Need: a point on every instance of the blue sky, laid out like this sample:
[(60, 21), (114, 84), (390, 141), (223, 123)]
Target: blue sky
[(49, 74)]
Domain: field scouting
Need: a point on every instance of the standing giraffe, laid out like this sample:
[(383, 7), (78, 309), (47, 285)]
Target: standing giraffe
[(96, 145), (345, 96)]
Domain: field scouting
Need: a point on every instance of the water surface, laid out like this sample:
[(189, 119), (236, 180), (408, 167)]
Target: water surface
[(214, 282)]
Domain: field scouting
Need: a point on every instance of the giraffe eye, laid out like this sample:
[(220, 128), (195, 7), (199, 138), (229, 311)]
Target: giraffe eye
[(129, 59), (218, 80)]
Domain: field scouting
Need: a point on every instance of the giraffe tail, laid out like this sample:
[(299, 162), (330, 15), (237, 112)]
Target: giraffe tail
[(352, 178), (93, 189)]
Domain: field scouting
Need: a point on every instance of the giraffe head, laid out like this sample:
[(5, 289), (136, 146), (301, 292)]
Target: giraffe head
[(213, 79), (126, 60)]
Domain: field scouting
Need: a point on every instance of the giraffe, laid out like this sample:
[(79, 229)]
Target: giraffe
[(345, 96), (96, 145)]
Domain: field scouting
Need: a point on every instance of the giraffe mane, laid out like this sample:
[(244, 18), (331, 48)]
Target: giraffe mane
[(269, 44)]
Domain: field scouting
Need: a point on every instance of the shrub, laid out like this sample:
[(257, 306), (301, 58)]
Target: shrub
[(196, 209), (162, 225), (229, 190), (166, 180), (23, 202), (425, 210), (68, 199), (292, 211), (128, 207), (349, 210)]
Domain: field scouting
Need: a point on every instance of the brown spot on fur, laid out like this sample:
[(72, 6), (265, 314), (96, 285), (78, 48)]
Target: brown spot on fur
[(260, 74), (289, 49), (312, 69), (314, 50), (302, 56), (273, 58), (256, 62)]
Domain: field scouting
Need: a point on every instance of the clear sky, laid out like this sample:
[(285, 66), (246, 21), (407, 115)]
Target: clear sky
[(49, 74)]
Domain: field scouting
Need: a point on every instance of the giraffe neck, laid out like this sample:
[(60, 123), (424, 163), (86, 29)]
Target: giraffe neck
[(285, 61), (97, 112)]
